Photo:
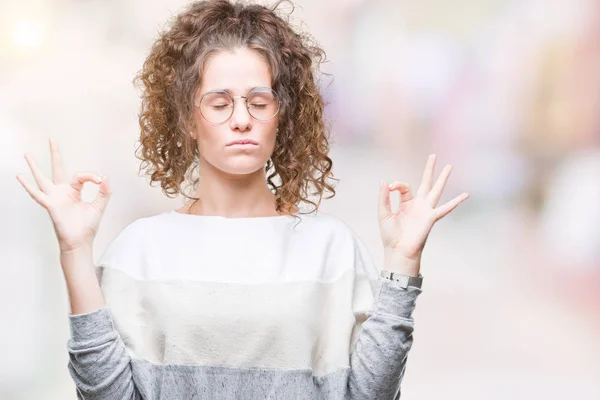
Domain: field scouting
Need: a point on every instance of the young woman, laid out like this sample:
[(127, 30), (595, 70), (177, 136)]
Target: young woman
[(237, 295)]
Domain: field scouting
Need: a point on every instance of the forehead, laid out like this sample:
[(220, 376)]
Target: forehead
[(238, 71)]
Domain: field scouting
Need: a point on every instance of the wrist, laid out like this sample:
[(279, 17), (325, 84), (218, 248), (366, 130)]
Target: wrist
[(76, 257), (75, 249), (400, 264)]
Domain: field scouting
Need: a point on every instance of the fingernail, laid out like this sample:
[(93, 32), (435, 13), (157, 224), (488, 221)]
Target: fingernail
[(98, 179)]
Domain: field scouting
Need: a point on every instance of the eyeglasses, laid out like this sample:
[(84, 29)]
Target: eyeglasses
[(217, 106)]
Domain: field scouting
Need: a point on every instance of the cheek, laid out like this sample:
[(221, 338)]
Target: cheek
[(273, 131), (271, 139), (208, 136)]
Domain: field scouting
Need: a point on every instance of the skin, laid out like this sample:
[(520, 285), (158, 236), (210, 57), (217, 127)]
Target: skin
[(405, 231), (228, 174), (75, 223)]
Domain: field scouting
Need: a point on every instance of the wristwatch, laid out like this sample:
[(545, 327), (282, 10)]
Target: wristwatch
[(405, 280)]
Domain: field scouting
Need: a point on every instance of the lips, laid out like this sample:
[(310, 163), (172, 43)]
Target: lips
[(242, 141)]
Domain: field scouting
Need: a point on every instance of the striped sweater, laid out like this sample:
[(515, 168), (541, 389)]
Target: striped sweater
[(210, 307)]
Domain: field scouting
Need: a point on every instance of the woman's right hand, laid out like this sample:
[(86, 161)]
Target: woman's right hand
[(75, 222)]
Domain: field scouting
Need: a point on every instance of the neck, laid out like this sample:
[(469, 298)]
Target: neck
[(233, 196)]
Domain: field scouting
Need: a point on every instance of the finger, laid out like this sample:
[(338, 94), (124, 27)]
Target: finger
[(442, 211), (427, 179), (385, 209), (40, 197), (436, 192), (59, 175), (101, 201), (82, 177), (43, 182), (404, 189)]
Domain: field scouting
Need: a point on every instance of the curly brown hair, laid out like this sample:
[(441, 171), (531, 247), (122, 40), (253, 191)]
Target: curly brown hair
[(172, 73)]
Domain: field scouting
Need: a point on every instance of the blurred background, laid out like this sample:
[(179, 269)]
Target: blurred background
[(505, 91)]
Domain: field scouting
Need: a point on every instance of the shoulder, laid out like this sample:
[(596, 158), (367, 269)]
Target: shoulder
[(130, 243), (337, 228), (344, 243), (327, 222), (135, 231)]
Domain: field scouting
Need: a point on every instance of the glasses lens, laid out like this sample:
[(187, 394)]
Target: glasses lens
[(216, 107), (263, 103)]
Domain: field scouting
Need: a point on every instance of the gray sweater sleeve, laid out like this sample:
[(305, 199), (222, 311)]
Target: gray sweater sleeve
[(98, 361), (378, 361)]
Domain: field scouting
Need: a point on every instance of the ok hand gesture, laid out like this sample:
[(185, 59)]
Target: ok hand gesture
[(405, 231), (75, 222)]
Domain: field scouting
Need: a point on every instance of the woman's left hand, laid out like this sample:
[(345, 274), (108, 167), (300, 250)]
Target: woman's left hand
[(405, 231)]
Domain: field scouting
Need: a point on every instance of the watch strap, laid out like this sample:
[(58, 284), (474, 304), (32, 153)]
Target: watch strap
[(405, 280)]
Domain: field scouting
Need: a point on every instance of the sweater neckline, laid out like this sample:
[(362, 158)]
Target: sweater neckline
[(196, 217)]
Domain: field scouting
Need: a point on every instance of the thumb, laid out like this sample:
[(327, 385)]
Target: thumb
[(385, 208), (101, 201)]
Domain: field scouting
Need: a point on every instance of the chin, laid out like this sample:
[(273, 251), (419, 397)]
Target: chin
[(242, 167)]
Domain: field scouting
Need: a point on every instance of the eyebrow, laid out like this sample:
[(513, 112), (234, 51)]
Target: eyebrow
[(248, 89)]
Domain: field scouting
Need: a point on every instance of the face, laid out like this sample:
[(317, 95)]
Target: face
[(238, 72)]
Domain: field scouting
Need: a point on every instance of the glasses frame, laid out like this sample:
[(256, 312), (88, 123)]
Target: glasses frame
[(232, 109)]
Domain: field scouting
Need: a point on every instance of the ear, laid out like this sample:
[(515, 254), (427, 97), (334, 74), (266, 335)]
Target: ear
[(191, 130)]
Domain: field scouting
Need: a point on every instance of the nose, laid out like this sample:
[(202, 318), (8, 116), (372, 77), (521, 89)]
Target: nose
[(241, 118)]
